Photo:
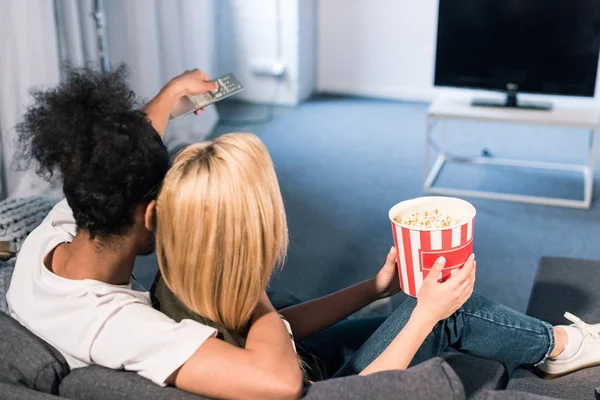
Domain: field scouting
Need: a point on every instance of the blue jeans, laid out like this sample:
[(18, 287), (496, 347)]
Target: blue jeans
[(480, 327)]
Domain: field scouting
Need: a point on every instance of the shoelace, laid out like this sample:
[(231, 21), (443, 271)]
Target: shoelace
[(587, 330)]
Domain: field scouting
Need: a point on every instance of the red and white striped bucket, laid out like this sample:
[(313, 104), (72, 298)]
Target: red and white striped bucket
[(419, 248)]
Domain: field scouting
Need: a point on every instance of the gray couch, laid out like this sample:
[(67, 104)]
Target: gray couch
[(563, 284), (32, 369)]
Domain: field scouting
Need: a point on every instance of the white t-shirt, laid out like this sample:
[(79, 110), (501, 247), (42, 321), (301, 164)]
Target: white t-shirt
[(92, 322)]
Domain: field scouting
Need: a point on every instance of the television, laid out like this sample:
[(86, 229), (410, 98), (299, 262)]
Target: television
[(531, 46)]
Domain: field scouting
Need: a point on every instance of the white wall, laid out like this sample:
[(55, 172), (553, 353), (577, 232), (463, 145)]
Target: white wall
[(379, 48), (386, 48), (283, 30), (29, 59)]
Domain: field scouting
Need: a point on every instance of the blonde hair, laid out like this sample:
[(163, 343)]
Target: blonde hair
[(221, 228)]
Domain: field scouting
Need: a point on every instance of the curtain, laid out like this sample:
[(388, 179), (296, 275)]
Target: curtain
[(158, 39), (29, 59)]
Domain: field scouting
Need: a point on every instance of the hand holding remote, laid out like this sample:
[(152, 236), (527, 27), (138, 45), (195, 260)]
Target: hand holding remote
[(214, 91), (194, 82)]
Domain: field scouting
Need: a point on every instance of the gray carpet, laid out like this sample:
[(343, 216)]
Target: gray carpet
[(343, 162)]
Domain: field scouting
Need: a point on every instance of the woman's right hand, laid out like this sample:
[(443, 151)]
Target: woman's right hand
[(438, 300), (435, 301)]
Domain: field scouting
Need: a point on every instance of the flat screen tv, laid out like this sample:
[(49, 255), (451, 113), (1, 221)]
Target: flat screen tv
[(532, 46)]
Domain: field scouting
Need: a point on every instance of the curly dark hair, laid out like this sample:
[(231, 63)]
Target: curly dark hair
[(89, 132)]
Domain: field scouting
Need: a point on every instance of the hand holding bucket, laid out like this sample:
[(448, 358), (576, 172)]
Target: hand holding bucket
[(418, 248)]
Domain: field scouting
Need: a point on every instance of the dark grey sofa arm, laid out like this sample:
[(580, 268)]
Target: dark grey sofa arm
[(99, 383), (9, 391), (563, 284), (433, 379)]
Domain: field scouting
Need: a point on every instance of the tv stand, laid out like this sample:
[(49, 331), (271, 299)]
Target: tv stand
[(512, 101), (451, 109)]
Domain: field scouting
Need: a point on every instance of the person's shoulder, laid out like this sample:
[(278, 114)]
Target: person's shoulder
[(59, 225), (60, 214), (119, 295)]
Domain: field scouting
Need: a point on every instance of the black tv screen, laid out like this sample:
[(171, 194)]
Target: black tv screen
[(542, 46)]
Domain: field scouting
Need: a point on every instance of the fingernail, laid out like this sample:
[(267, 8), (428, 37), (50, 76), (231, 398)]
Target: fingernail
[(442, 260), (392, 248)]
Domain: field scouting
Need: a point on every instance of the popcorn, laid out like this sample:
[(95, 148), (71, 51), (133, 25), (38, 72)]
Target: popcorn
[(429, 219)]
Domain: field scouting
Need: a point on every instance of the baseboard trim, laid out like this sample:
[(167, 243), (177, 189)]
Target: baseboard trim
[(404, 93), (385, 92)]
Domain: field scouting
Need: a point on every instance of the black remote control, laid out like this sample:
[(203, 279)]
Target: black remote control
[(228, 86)]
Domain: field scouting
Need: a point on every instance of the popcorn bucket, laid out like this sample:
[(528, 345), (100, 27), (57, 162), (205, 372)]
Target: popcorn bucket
[(419, 247)]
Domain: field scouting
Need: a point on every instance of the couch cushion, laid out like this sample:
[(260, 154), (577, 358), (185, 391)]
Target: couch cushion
[(433, 379), (99, 383), (508, 395), (27, 360), (566, 284), (477, 374), (578, 385)]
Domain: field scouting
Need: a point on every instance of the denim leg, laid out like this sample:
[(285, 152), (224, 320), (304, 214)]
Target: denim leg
[(493, 331), (336, 345), (480, 327)]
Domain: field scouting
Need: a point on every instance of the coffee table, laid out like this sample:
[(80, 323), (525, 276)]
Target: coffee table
[(450, 108)]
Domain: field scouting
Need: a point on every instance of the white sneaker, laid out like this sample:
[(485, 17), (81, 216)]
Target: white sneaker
[(588, 354)]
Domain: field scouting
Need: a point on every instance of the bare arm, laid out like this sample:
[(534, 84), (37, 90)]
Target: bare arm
[(159, 108), (266, 369), (313, 316), (403, 348), (436, 301)]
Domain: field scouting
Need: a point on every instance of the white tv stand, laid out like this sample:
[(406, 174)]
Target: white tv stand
[(446, 108)]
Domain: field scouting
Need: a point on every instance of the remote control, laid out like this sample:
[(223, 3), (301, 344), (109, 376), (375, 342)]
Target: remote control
[(228, 86)]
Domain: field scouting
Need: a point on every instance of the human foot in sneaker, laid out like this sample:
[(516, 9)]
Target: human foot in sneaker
[(582, 352)]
